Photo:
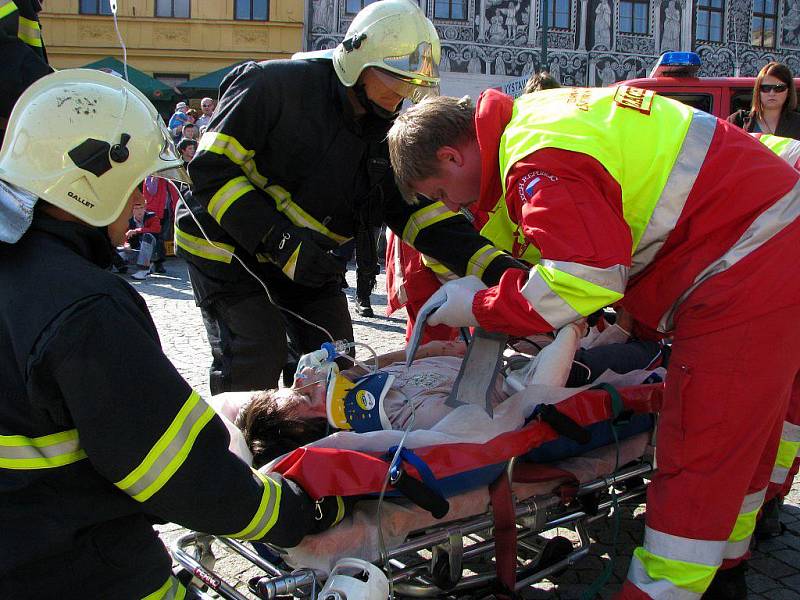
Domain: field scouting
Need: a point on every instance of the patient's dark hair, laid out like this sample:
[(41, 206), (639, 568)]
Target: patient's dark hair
[(271, 430)]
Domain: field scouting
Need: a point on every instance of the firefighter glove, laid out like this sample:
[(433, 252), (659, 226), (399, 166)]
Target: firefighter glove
[(303, 255)]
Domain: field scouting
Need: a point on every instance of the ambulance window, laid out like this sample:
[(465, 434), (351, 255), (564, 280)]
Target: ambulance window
[(741, 99), (703, 102)]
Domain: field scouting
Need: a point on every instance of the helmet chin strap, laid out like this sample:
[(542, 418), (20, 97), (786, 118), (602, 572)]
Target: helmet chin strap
[(371, 107)]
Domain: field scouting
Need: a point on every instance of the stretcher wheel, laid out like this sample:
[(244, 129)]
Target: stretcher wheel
[(555, 550)]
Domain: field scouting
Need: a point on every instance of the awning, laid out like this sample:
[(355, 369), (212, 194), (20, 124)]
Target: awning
[(154, 89), (206, 85)]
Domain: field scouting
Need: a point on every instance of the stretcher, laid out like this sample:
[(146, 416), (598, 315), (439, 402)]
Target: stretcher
[(477, 514)]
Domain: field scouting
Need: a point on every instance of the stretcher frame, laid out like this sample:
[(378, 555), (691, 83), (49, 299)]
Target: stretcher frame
[(452, 546)]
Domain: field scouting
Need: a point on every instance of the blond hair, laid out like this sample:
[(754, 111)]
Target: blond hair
[(418, 133)]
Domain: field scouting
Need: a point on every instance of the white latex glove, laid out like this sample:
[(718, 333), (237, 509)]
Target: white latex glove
[(457, 308)]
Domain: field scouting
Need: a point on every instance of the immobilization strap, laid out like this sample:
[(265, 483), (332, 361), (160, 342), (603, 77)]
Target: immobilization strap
[(479, 371)]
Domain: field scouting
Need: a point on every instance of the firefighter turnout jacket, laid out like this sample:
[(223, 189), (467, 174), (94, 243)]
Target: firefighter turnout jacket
[(24, 55), (284, 146), (100, 436)]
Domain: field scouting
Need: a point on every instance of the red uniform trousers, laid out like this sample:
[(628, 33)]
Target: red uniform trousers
[(780, 484), (735, 361)]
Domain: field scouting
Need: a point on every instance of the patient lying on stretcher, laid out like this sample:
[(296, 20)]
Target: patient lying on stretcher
[(275, 422)]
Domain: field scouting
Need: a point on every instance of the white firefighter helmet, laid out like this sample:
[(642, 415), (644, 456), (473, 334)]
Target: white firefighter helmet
[(82, 140), (395, 37)]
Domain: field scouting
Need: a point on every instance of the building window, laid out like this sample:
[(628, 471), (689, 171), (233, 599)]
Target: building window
[(765, 17), (95, 7), (450, 9), (252, 10), (353, 6), (710, 16), (633, 16), (559, 14), (178, 9)]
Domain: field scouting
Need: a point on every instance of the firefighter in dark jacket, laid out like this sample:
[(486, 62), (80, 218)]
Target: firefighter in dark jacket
[(293, 165), (23, 51), (87, 464)]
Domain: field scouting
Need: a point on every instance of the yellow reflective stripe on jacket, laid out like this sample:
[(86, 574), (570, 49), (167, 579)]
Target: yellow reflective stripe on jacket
[(679, 184), (425, 217), (766, 226), (6, 8), (267, 512), (30, 32), (224, 145), (480, 261), (169, 452), (45, 452), (564, 292), (788, 450), (203, 248), (227, 195), (298, 216), (739, 539), (787, 148), (442, 272), (171, 590), (671, 566)]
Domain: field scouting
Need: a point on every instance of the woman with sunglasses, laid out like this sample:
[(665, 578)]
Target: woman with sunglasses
[(774, 107)]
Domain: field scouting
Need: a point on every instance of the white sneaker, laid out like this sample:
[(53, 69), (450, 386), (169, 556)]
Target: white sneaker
[(143, 274)]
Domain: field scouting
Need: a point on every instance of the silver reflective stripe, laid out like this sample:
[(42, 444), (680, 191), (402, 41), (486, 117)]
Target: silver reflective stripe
[(6, 8), (425, 217), (611, 278), (171, 590), (679, 184), (791, 432), (779, 475), (766, 226), (659, 589), (550, 306), (737, 549), (160, 463), (673, 547), (267, 513), (753, 501), (479, 261), (40, 452), (791, 153)]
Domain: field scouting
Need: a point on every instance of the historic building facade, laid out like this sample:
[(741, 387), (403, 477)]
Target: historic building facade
[(590, 42)]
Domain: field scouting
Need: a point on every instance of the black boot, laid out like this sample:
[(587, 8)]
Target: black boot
[(364, 307), (728, 584), (769, 522)]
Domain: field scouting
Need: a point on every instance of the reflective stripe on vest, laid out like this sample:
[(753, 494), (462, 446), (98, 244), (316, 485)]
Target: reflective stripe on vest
[(45, 452), (227, 195), (224, 145), (788, 450), (506, 235), (739, 540), (171, 590), (670, 566), (563, 292), (267, 513), (169, 452), (6, 8), (30, 32), (787, 148), (424, 217), (767, 225)]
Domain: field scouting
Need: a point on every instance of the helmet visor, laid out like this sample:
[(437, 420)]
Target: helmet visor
[(407, 88), (419, 66), (179, 174)]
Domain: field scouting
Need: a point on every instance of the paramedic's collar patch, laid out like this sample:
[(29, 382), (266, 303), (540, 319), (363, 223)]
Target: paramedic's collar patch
[(531, 182), (635, 98)]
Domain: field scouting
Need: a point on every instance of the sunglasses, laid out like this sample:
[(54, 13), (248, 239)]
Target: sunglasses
[(766, 88)]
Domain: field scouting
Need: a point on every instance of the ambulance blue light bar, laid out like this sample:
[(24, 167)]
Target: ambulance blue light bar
[(677, 64)]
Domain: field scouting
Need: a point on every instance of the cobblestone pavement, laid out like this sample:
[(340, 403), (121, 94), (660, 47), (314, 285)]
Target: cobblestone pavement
[(774, 569)]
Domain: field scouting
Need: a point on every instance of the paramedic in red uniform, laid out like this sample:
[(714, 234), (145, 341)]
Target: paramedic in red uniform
[(692, 225)]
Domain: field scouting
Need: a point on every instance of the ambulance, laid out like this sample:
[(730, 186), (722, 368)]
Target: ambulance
[(675, 76)]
